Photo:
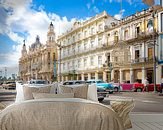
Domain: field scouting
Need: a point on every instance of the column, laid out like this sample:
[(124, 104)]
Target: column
[(104, 76), (121, 75), (112, 75), (131, 75), (77, 77), (143, 74), (89, 76), (62, 78), (66, 78), (82, 76), (96, 75)]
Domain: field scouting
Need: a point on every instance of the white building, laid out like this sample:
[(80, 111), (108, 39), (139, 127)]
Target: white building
[(105, 48)]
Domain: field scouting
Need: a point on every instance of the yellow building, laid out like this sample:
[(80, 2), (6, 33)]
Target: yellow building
[(38, 62), (105, 48)]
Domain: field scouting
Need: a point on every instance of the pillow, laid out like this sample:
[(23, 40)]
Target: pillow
[(19, 93), (123, 108), (80, 91), (29, 90), (50, 95), (92, 93)]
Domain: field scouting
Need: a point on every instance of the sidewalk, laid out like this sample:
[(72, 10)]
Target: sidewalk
[(153, 121)]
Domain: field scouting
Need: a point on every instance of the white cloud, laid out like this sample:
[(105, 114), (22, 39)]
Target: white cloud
[(21, 18), (120, 15), (130, 2), (95, 9), (88, 5)]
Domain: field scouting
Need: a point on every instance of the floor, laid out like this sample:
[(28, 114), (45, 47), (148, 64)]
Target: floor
[(147, 121)]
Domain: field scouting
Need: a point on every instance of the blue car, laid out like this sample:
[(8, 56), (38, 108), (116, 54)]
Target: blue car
[(102, 86)]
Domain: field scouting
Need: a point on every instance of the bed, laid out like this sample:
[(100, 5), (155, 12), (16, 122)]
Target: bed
[(49, 111)]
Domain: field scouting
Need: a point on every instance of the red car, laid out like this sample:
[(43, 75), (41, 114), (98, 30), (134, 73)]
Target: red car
[(139, 87)]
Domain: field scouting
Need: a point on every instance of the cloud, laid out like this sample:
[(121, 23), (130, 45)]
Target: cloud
[(95, 9), (20, 20), (129, 1), (120, 15), (88, 5)]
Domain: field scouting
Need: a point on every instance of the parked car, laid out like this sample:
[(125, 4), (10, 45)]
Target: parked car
[(9, 85), (72, 82), (101, 85), (37, 83), (139, 87), (103, 88)]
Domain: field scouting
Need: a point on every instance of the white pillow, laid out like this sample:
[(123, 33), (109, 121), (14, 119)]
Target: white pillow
[(20, 93), (91, 94)]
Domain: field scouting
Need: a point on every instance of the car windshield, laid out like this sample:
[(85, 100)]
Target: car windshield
[(100, 82), (41, 82)]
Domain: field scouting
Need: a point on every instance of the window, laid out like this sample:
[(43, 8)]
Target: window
[(99, 60), (161, 22), (85, 62), (100, 27), (126, 34), (150, 53), (85, 46), (92, 61), (73, 49), (68, 51), (79, 47), (53, 56), (162, 72), (150, 25), (99, 41), (64, 51), (92, 43), (68, 41), (68, 65), (79, 35), (137, 54), (79, 63), (92, 30), (116, 59), (85, 33), (64, 66), (73, 64), (73, 38), (116, 36), (138, 30)]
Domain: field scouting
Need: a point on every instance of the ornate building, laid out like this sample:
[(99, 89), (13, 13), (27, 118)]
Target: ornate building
[(38, 62), (105, 48)]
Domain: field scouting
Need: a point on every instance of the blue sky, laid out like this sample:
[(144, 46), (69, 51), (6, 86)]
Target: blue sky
[(24, 19)]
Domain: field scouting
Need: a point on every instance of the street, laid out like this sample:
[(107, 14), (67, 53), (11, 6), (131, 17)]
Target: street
[(144, 102)]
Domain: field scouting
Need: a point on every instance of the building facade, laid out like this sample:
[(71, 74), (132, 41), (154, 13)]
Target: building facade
[(160, 46), (82, 54), (38, 62), (108, 49)]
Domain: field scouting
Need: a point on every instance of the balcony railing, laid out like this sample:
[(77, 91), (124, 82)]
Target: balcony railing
[(142, 60)]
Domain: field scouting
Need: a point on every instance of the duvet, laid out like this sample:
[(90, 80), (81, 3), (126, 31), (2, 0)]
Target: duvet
[(59, 114)]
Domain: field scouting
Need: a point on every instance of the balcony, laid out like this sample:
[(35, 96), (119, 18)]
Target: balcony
[(142, 60)]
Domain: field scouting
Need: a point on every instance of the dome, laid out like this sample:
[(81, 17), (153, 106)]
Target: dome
[(37, 43)]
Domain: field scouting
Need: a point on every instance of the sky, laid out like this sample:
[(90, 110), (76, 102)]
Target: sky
[(25, 19)]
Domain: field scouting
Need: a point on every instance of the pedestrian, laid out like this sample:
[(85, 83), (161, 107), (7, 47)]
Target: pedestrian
[(146, 84), (161, 85)]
